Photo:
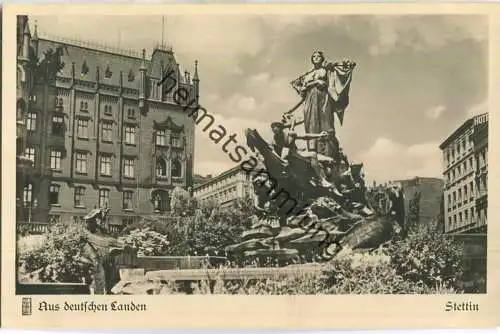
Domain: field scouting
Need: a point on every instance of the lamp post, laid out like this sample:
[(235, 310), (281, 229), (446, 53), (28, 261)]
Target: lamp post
[(30, 205)]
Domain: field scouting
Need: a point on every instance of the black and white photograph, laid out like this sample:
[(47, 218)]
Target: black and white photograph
[(262, 154)]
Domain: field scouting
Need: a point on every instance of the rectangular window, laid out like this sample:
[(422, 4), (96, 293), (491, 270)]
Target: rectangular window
[(58, 126), (79, 195), (55, 159), (107, 131), (129, 135), (103, 198), (128, 168), (29, 153), (81, 162), (131, 113), (175, 141), (82, 128), (31, 122), (161, 138), (127, 200), (105, 165), (54, 194)]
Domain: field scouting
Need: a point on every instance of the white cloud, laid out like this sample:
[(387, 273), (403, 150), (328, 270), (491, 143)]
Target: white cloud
[(209, 156), (387, 160), (258, 79), (246, 103), (217, 38), (435, 112), (423, 35), (478, 109), (212, 167)]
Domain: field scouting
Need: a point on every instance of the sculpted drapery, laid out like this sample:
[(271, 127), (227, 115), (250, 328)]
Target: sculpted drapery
[(325, 92)]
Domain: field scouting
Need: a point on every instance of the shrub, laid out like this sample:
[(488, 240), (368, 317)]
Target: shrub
[(207, 229), (146, 242), (65, 256), (428, 257), (350, 273)]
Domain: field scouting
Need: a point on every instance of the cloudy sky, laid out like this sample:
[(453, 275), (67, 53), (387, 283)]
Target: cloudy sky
[(417, 79)]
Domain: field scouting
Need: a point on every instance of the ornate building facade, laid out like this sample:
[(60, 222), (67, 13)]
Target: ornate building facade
[(27, 174), (465, 161), (225, 188), (110, 130)]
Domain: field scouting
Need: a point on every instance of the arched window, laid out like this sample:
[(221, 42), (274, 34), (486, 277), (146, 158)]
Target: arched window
[(176, 168), (161, 167), (161, 201), (27, 194)]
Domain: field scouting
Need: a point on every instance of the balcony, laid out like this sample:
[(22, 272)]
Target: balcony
[(33, 227)]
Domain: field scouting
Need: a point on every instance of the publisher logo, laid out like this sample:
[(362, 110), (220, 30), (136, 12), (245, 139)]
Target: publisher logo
[(26, 306)]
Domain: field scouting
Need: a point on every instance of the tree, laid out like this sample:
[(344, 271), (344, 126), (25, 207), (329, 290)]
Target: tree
[(440, 218), (182, 203), (413, 212)]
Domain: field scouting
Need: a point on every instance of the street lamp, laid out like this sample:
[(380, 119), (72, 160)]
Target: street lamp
[(30, 206)]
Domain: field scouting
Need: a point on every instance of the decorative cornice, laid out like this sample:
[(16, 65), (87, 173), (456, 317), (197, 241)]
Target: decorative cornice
[(168, 124)]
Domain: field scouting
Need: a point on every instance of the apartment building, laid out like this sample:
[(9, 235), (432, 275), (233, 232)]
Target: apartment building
[(225, 188), (465, 172)]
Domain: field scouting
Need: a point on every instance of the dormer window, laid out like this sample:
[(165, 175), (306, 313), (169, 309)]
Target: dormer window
[(131, 76), (85, 68), (59, 103), (84, 106), (108, 72), (107, 110)]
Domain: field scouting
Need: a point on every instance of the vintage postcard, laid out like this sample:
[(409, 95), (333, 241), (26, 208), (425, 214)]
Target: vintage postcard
[(250, 166)]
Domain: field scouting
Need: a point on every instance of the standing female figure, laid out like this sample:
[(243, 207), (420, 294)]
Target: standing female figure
[(324, 91)]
